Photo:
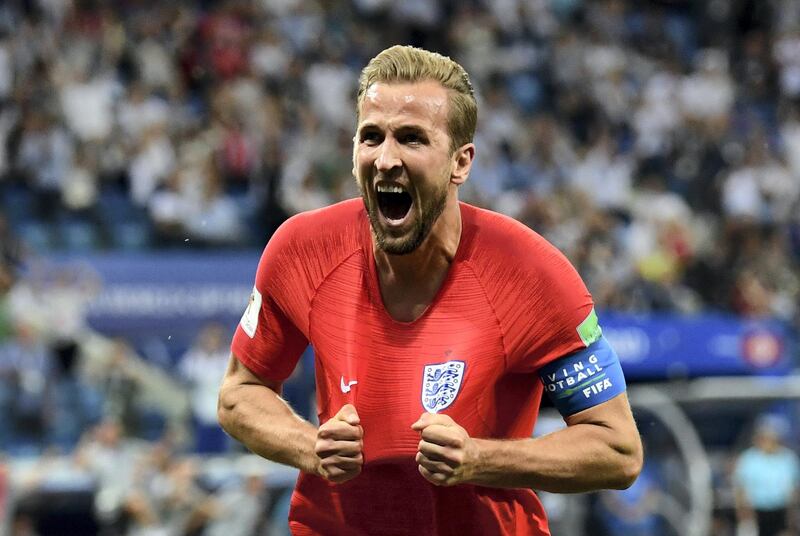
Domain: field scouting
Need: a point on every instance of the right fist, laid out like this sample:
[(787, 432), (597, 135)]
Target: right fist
[(339, 445)]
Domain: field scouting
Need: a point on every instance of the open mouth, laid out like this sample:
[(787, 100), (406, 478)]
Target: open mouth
[(394, 201)]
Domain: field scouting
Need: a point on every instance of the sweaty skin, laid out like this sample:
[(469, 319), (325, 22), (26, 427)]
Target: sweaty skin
[(403, 138)]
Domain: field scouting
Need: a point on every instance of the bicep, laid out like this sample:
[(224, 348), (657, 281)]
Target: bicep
[(237, 374), (614, 414), (615, 419), (584, 379)]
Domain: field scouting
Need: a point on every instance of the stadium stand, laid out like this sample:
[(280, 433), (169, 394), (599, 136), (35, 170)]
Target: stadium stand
[(655, 143)]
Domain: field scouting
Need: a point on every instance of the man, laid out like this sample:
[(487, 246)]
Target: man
[(766, 480), (436, 327)]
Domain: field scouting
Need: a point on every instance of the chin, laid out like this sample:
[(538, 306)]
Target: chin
[(407, 243), (397, 246), (401, 248)]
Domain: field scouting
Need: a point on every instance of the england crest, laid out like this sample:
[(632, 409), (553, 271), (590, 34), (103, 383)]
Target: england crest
[(440, 384)]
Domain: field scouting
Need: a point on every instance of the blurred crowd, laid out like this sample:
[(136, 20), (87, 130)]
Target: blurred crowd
[(95, 439), (116, 485), (655, 143)]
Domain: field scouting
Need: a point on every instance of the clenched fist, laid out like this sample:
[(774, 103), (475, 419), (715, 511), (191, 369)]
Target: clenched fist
[(339, 445), (446, 453)]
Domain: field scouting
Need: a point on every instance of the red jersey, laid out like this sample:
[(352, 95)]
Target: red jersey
[(510, 304)]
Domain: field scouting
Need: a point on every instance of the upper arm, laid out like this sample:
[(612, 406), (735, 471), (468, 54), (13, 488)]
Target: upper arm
[(271, 334), (614, 414), (545, 309), (615, 417), (584, 379), (238, 375)]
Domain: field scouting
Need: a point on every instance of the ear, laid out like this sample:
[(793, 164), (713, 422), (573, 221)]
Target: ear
[(462, 163), (355, 148)]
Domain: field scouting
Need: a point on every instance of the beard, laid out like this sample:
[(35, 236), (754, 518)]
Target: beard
[(430, 210)]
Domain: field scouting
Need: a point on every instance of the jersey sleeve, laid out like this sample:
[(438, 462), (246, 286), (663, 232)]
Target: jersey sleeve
[(544, 308), (583, 379), (561, 319), (272, 333)]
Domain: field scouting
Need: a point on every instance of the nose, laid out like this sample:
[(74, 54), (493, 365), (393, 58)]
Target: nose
[(388, 156)]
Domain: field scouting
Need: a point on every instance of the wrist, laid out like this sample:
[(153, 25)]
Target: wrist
[(315, 466), (474, 454)]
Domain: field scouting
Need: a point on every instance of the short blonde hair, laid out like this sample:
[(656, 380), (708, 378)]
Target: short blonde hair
[(402, 63)]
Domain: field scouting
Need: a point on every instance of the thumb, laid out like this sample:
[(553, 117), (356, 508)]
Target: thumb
[(421, 423), (348, 414)]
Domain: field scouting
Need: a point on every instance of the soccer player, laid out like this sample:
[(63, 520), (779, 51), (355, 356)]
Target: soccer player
[(436, 327)]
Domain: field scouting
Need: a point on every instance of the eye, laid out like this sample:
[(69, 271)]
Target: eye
[(370, 137), (411, 138)]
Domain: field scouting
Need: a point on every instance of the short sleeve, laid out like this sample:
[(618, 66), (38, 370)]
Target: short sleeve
[(271, 344), (269, 338), (558, 313), (543, 308)]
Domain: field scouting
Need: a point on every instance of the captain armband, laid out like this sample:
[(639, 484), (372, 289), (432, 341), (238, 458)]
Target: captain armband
[(584, 379)]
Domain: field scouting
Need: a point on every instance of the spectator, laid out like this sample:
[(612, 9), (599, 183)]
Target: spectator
[(151, 164), (110, 458), (634, 511), (45, 154), (27, 380), (202, 368), (238, 508), (121, 388), (767, 479)]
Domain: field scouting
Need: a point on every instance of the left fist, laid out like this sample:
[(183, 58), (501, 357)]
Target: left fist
[(446, 453)]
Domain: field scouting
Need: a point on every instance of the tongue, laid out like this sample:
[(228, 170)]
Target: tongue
[(394, 206)]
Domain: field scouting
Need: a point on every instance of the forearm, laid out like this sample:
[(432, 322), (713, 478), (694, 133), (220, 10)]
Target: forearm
[(743, 508), (579, 458), (265, 424)]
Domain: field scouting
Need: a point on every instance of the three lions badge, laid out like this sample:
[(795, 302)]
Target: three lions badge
[(440, 384)]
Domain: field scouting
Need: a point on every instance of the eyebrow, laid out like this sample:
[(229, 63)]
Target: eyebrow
[(411, 126)]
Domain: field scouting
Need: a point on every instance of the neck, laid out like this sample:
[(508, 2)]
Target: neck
[(435, 253), (409, 283)]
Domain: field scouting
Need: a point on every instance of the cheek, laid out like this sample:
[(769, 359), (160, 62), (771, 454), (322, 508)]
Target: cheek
[(363, 160)]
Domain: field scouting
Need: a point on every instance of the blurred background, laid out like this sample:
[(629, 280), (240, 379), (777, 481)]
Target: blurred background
[(149, 149)]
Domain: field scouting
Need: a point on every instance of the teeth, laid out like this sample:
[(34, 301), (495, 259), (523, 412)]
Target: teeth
[(390, 189)]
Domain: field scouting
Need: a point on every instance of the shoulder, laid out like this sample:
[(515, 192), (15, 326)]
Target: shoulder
[(748, 457), (311, 244), (501, 244), (319, 224), (537, 295), (322, 232), (789, 455)]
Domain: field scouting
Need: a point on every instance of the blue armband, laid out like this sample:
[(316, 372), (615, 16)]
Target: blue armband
[(584, 379)]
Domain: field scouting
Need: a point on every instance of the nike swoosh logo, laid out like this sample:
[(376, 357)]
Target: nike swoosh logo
[(346, 386)]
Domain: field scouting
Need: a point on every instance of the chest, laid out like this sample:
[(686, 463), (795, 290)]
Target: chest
[(769, 474), (393, 371)]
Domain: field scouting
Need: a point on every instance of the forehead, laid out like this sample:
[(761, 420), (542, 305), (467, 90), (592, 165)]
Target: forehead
[(422, 103)]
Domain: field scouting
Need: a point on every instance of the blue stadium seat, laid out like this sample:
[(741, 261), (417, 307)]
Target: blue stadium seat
[(130, 235), (77, 235), (36, 235), (116, 206), (17, 204)]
